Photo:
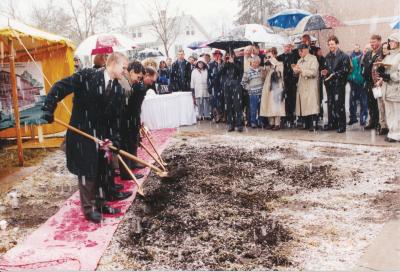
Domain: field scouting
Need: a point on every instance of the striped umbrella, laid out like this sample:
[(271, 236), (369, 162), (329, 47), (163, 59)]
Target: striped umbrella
[(288, 18), (317, 22)]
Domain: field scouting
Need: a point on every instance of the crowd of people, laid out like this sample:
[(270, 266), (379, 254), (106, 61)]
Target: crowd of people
[(264, 89)]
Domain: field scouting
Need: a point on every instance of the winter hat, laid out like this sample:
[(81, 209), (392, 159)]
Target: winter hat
[(201, 59), (217, 52), (395, 37)]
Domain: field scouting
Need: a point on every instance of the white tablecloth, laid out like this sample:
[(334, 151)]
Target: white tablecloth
[(168, 110)]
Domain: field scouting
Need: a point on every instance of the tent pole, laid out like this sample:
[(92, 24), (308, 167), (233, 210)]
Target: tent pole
[(13, 81)]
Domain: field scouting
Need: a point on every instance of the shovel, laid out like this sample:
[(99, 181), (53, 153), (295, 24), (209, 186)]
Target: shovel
[(144, 131), (158, 171), (121, 160)]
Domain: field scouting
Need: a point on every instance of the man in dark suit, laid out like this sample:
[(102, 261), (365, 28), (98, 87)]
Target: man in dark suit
[(181, 73), (97, 104), (290, 83), (130, 129), (336, 72), (368, 61)]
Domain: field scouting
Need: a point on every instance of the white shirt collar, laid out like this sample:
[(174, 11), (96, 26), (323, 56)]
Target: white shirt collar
[(106, 77)]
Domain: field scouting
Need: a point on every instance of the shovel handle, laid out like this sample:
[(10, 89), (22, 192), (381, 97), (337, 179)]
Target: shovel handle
[(121, 160), (122, 152), (146, 134), (152, 155)]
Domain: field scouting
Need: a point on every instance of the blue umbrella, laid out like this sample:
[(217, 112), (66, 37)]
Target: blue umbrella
[(288, 18), (395, 24), (197, 45)]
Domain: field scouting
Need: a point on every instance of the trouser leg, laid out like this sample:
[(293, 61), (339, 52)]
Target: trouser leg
[(363, 105), (229, 106), (372, 108), (207, 108), (354, 94), (88, 193), (331, 114), (340, 106), (382, 114), (238, 106), (199, 107)]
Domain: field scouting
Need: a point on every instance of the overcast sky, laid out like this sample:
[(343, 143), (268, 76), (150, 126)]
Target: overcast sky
[(211, 14)]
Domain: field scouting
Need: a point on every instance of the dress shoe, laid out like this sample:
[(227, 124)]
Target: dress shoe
[(105, 209), (138, 166), (115, 196), (138, 176), (94, 216), (390, 140), (117, 187), (328, 128), (383, 131), (341, 130), (231, 128), (276, 128), (370, 126), (352, 122), (240, 129)]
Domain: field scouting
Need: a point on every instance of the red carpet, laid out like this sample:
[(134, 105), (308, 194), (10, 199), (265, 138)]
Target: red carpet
[(67, 241)]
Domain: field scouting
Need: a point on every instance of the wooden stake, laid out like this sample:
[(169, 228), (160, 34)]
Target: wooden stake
[(14, 92)]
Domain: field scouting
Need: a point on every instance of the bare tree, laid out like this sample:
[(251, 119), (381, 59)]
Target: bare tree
[(256, 11), (301, 4), (52, 18), (10, 9), (165, 25), (89, 16)]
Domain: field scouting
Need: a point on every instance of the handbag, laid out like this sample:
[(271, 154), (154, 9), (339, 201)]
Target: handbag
[(377, 92)]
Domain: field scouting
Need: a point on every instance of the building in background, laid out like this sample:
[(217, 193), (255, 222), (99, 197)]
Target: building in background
[(189, 31), (361, 19)]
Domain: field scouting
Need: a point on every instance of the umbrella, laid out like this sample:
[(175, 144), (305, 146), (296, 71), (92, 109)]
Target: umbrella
[(197, 45), (247, 34), (229, 42), (288, 18), (104, 44), (149, 53), (317, 22), (396, 24), (260, 34)]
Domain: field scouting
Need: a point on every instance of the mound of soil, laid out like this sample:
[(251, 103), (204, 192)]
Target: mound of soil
[(213, 212)]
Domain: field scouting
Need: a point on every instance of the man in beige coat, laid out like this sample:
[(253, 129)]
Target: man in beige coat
[(307, 102)]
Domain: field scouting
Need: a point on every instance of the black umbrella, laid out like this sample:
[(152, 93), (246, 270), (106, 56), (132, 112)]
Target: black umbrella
[(233, 39)]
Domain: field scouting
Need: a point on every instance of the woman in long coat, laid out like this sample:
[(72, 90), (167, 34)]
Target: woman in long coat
[(272, 101), (391, 88), (307, 102)]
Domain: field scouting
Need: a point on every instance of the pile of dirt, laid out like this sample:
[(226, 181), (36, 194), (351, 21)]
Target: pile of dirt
[(214, 212)]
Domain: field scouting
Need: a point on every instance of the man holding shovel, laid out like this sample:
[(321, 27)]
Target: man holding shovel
[(97, 108)]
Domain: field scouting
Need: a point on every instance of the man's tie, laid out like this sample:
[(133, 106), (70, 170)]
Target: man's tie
[(109, 87)]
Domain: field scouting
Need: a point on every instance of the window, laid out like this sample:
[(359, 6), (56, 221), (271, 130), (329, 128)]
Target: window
[(136, 33), (189, 30)]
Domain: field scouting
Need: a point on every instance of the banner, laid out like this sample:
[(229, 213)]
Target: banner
[(30, 89)]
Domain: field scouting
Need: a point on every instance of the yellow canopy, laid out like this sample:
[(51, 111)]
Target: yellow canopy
[(55, 54)]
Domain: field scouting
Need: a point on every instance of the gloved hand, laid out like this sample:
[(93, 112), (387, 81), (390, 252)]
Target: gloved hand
[(380, 69), (48, 116), (383, 75)]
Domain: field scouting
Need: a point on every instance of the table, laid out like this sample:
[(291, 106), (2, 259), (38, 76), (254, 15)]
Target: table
[(168, 110)]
